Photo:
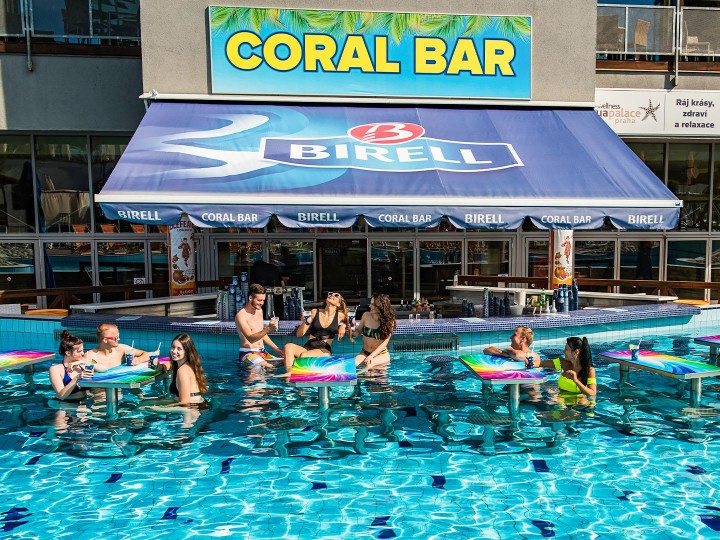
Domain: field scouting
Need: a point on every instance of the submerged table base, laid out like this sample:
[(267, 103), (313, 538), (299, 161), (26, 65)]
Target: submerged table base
[(121, 377)]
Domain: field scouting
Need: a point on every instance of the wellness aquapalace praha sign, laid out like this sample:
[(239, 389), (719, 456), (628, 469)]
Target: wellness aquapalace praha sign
[(318, 52)]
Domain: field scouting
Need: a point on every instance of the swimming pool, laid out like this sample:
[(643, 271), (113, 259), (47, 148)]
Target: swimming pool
[(415, 453)]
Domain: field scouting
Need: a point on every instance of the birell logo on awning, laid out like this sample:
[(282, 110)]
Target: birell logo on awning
[(353, 53), (389, 146)]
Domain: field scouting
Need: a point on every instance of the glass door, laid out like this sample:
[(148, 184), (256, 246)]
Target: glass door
[(342, 267), (392, 267)]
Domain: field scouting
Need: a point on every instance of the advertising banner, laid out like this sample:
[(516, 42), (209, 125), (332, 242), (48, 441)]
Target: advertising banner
[(264, 51), (660, 112), (181, 258), (562, 254)]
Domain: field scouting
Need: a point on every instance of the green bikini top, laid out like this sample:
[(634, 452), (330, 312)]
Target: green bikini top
[(373, 333), (568, 385)]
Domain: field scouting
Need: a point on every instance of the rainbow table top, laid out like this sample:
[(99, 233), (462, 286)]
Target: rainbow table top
[(18, 359), (500, 370), (124, 377), (663, 364), (713, 341), (324, 371)]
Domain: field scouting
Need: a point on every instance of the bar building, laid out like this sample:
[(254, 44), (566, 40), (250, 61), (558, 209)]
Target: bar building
[(73, 71)]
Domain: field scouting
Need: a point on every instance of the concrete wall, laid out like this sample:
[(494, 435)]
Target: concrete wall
[(70, 93), (176, 61)]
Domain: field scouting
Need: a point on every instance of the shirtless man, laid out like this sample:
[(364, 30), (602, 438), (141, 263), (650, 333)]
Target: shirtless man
[(519, 348), (253, 337), (110, 352)]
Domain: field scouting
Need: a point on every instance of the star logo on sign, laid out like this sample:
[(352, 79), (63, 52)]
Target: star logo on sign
[(650, 110)]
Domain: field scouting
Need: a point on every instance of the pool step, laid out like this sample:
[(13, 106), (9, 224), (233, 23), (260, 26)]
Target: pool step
[(423, 343)]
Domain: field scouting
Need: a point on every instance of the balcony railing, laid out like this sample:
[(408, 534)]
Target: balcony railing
[(72, 21), (631, 32)]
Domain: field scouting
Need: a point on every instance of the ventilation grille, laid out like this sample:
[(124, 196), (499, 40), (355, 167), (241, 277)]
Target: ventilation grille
[(422, 343), (86, 336)]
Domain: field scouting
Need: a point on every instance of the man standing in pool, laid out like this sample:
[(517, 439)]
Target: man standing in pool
[(519, 348), (249, 324), (110, 352)]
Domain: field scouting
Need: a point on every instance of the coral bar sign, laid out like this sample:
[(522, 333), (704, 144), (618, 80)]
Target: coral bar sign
[(262, 51)]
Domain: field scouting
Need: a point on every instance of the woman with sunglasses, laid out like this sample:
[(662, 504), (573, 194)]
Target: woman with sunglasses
[(376, 328), (324, 324)]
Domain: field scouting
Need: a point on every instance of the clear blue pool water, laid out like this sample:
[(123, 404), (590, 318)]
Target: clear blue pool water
[(414, 453)]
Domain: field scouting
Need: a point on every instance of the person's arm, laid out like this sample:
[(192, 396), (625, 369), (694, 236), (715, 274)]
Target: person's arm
[(140, 355), (243, 327), (57, 374), (589, 389), (551, 364), (305, 325), (357, 331), (342, 329), (272, 345), (494, 351)]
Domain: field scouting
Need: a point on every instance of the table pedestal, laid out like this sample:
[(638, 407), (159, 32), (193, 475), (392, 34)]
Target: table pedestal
[(713, 355), (514, 401), (695, 392), (323, 397), (111, 401), (624, 374)]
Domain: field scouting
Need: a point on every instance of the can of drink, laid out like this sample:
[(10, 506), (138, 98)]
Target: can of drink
[(153, 360), (634, 353), (351, 317), (89, 368), (129, 356)]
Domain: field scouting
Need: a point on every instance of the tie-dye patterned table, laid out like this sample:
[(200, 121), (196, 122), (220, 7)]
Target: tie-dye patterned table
[(18, 359), (711, 341), (666, 365), (323, 372), (121, 377), (495, 370)]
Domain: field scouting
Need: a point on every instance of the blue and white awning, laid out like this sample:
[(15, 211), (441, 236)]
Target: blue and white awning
[(229, 165)]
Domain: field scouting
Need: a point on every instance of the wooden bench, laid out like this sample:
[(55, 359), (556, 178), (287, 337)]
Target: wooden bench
[(665, 365)]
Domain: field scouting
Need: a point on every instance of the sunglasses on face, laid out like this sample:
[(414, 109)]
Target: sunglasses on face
[(116, 338), (334, 294)]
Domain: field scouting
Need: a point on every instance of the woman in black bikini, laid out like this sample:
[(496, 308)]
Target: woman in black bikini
[(325, 324), (376, 328), (188, 378)]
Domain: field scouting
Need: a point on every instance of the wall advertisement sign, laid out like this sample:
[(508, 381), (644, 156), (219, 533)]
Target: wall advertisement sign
[(264, 51), (660, 112), (562, 255), (181, 255)]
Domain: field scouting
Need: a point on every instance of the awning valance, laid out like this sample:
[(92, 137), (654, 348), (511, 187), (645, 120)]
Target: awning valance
[(230, 165)]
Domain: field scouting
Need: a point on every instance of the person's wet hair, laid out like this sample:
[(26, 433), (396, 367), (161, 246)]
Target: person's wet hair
[(68, 342), (585, 356)]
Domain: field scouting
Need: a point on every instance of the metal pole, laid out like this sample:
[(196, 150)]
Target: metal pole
[(624, 374), (323, 397), (695, 392), (514, 403), (111, 398)]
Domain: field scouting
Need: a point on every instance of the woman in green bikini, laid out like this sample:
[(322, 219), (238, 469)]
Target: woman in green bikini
[(578, 372), (376, 327)]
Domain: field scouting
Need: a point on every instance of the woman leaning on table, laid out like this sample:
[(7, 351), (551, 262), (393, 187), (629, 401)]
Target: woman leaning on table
[(376, 328), (65, 377), (578, 372)]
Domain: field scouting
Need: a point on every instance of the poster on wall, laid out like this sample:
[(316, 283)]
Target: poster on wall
[(181, 258), (264, 51), (562, 254)]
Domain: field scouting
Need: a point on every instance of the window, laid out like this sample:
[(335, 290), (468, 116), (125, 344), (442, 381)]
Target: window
[(689, 179), (686, 262), (439, 260), (17, 266), (106, 152), (17, 201), (639, 259)]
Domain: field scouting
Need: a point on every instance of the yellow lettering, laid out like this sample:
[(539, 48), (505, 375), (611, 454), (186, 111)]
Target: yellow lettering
[(429, 57), (232, 49), (499, 53), (270, 51), (355, 56), (319, 49), (465, 58), (382, 64)]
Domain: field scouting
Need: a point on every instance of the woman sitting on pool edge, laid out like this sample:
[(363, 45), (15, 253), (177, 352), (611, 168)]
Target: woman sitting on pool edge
[(188, 377), (578, 376), (65, 376), (324, 324), (376, 328)]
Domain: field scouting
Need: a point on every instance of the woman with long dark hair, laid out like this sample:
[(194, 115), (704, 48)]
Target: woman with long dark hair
[(578, 372), (188, 377), (325, 324), (376, 328), (65, 376)]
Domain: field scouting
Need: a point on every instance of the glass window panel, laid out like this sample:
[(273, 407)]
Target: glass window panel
[(715, 267), (69, 264), (17, 266), (639, 259), (17, 213), (119, 263), (652, 154), (61, 17), (689, 180), (11, 17), (105, 153), (296, 261), (342, 267), (61, 165), (716, 190), (538, 252), (488, 257), (596, 260), (391, 269), (159, 267), (237, 257), (116, 18), (686, 262), (439, 260)]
